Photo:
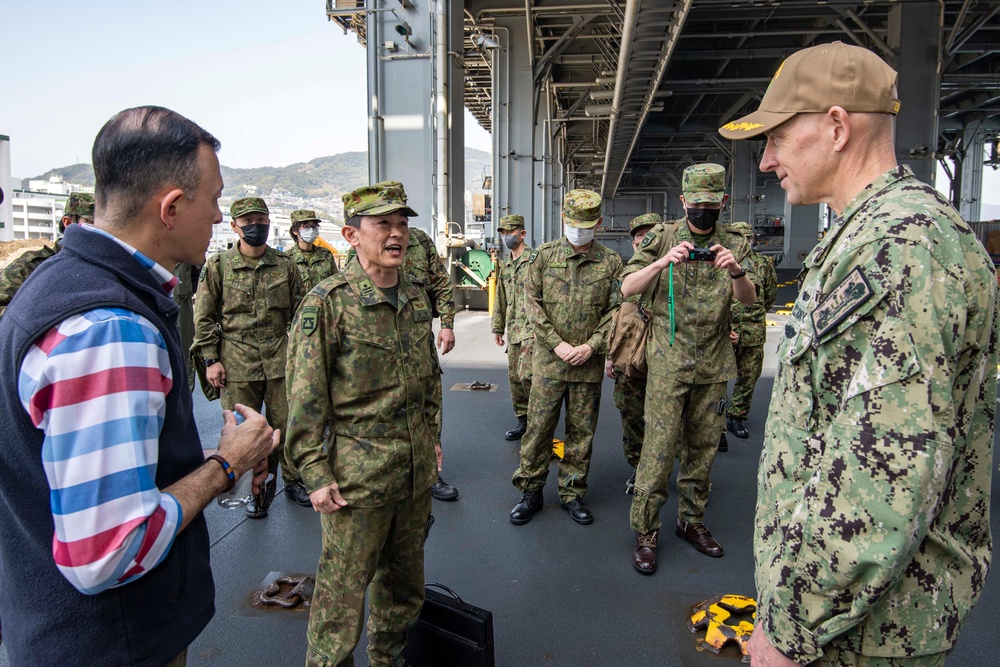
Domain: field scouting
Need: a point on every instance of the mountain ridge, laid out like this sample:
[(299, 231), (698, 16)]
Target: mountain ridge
[(322, 180)]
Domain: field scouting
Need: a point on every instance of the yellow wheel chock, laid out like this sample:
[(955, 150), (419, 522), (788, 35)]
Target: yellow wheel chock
[(712, 616)]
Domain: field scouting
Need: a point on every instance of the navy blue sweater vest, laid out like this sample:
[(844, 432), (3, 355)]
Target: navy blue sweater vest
[(45, 620)]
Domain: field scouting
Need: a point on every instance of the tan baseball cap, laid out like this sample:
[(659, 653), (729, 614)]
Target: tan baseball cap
[(813, 80)]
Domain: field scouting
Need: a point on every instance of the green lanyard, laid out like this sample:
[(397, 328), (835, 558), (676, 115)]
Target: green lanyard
[(670, 303)]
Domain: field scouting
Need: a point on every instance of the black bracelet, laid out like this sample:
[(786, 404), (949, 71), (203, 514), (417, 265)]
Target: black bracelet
[(226, 468), (738, 275)]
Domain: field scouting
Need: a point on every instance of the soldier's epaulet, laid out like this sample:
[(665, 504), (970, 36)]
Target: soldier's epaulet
[(329, 284), (656, 231)]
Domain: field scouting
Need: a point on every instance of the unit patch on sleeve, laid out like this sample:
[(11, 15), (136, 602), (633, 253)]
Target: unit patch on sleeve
[(852, 292), (308, 320), (647, 239)]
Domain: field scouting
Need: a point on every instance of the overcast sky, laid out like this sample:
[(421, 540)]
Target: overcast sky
[(276, 82)]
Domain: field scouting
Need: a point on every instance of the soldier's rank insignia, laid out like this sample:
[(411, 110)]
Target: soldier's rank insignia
[(309, 319), (845, 298), (647, 239), (421, 313)]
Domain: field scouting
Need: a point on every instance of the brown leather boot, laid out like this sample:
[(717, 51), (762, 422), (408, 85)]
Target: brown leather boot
[(644, 558), (698, 535)]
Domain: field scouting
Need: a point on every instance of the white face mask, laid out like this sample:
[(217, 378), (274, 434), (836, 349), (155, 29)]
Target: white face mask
[(308, 234), (577, 236)]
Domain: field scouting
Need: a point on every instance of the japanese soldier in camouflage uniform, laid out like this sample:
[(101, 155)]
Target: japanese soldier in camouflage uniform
[(314, 262), (509, 316), (184, 291), (630, 393), (750, 329), (242, 314), (689, 357), (361, 360), (573, 288), (79, 208), (425, 266), (872, 537)]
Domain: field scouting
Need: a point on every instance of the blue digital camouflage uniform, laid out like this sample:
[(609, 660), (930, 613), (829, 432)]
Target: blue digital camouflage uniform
[(872, 534), (686, 379)]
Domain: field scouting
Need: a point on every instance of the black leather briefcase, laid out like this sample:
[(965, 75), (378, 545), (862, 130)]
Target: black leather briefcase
[(450, 633)]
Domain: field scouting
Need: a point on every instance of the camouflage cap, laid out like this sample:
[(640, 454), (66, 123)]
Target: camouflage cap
[(644, 220), (582, 208), (509, 222), (80, 204), (813, 80), (742, 228), (241, 207), (379, 199), (303, 215), (704, 183)]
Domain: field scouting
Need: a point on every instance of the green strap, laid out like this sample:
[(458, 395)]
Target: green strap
[(670, 303)]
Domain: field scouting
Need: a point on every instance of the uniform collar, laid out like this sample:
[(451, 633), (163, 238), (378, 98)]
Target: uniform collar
[(237, 260), (368, 293), (595, 254), (883, 182)]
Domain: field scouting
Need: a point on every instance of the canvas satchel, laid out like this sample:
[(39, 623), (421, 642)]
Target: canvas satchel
[(629, 332), (630, 327)]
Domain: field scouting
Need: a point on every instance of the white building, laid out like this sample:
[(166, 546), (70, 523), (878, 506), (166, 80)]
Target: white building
[(36, 215)]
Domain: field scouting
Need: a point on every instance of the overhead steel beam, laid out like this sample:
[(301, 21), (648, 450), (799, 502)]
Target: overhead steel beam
[(544, 64)]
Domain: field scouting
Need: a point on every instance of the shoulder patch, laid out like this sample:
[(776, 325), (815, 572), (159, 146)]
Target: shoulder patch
[(533, 256), (647, 239), (852, 292), (309, 319)]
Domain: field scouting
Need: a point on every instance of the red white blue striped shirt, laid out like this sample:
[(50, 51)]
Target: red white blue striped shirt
[(96, 384)]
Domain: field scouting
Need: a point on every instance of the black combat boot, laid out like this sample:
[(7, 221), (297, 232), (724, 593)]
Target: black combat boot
[(517, 432)]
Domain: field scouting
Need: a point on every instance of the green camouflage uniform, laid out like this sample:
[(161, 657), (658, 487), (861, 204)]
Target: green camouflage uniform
[(510, 316), (242, 315), (425, 266), (630, 399), (369, 371), (570, 298), (14, 274), (187, 277), (686, 381), (314, 265), (873, 509), (749, 323), (630, 393)]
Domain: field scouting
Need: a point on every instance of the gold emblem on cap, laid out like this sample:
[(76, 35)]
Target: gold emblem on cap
[(741, 126)]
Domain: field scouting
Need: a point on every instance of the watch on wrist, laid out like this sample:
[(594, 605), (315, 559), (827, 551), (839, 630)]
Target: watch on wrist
[(737, 276), (210, 362)]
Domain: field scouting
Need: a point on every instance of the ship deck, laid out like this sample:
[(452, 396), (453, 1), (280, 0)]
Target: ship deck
[(561, 594)]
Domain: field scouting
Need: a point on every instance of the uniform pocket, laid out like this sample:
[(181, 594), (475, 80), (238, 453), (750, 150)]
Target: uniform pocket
[(371, 362)]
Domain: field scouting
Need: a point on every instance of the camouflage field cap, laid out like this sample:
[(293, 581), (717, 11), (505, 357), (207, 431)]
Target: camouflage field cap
[(246, 205), (510, 222), (704, 183), (379, 199), (80, 204), (582, 208), (644, 220), (742, 228), (303, 215), (813, 80)]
